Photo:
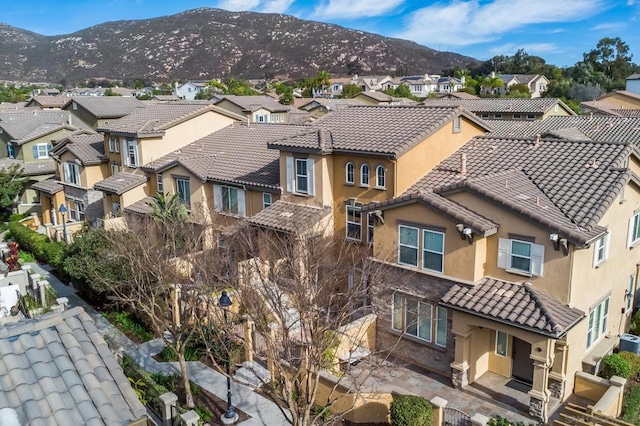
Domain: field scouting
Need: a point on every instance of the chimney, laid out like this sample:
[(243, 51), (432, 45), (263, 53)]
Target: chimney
[(463, 164), (70, 122), (591, 116), (537, 143)]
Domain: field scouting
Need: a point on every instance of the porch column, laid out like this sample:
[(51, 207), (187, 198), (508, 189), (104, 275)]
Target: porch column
[(542, 356), (558, 375), (460, 364)]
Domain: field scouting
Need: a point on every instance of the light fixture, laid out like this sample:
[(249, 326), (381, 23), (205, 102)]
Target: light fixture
[(554, 237)]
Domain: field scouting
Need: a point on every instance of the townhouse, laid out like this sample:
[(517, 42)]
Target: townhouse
[(620, 103), (536, 83), (382, 99), (95, 111), (508, 108), (513, 257), (262, 109)]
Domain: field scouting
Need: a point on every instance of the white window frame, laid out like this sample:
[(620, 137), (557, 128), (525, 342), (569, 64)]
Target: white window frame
[(227, 206), (76, 209), (401, 245), (598, 322), (381, 177), (111, 144), (11, 150), (130, 153), (160, 183), (184, 197), (601, 249), (497, 351), (370, 227), (356, 208), (634, 230), (39, 147), (72, 173), (301, 176), (432, 316), (116, 145), (115, 169), (365, 175), (457, 125), (350, 173), (425, 250), (536, 257), (292, 175), (267, 199)]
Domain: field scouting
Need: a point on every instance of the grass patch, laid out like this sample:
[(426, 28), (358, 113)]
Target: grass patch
[(190, 354), (631, 406), (26, 257), (129, 324)]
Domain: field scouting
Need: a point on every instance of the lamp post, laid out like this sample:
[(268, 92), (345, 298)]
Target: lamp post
[(63, 211), (230, 416)]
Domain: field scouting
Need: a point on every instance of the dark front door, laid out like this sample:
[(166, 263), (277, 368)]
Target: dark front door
[(522, 368)]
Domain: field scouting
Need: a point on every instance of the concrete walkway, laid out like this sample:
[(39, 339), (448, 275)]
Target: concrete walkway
[(261, 410)]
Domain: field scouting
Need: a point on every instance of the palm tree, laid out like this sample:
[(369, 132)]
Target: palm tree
[(492, 83), (168, 209)]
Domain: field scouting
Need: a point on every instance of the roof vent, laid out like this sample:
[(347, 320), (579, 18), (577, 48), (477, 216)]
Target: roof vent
[(593, 164), (463, 164)]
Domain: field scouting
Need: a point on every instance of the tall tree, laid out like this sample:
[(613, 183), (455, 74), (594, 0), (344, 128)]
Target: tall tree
[(12, 183), (350, 90), (611, 57)]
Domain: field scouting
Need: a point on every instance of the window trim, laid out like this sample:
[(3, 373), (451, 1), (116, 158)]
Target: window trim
[(506, 344), (364, 183), (457, 124), (227, 207), (634, 230), (425, 250), (185, 181), (417, 246), (46, 149), (297, 175), (357, 207), (437, 337), (379, 175), (602, 308), (72, 169), (159, 183), (131, 149), (601, 249), (350, 173), (266, 204)]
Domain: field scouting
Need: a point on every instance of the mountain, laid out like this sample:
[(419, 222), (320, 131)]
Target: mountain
[(206, 43)]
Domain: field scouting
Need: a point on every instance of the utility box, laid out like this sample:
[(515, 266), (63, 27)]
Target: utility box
[(630, 343)]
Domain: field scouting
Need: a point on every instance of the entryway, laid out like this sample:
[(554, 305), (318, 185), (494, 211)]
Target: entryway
[(522, 364)]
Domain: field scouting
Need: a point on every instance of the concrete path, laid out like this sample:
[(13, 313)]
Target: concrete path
[(261, 410)]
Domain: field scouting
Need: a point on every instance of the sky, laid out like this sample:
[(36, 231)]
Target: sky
[(559, 31)]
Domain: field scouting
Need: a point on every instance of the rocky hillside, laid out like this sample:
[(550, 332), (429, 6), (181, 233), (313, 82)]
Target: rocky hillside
[(205, 43)]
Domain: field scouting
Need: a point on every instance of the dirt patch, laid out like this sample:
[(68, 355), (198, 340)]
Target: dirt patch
[(215, 406)]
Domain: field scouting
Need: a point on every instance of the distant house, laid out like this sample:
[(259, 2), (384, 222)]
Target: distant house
[(536, 83), (633, 83), (620, 103), (379, 98), (374, 83), (47, 102), (321, 106), (262, 109), (97, 111), (335, 88), (508, 108), (189, 90), (421, 86), (449, 84)]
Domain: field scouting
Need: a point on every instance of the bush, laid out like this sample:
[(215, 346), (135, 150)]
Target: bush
[(190, 354), (26, 257), (634, 361), (615, 365), (631, 405), (16, 217), (635, 324), (128, 324), (410, 410), (37, 244)]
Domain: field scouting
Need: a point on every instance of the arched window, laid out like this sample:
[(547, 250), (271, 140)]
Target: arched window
[(364, 175), (380, 177), (350, 173)]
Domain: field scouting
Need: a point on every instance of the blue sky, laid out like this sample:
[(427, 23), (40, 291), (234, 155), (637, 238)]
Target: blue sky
[(557, 30)]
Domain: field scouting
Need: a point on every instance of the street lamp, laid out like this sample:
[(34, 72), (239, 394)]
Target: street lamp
[(63, 211), (230, 416)]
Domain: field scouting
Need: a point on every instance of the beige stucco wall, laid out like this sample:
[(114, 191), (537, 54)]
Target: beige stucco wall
[(621, 101), (230, 106), (89, 175), (552, 111), (323, 169)]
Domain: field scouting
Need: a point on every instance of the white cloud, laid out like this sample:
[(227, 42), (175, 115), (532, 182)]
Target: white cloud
[(607, 26), (266, 6), (239, 5), (530, 48), (350, 9), (275, 6), (466, 22)]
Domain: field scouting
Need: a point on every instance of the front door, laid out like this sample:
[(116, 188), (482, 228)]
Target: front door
[(522, 368)]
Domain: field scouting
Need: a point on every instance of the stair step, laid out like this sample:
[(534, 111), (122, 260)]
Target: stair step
[(252, 374)]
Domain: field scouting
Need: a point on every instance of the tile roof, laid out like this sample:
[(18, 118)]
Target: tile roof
[(38, 167), (49, 101), (634, 76), (48, 186), (120, 183), (626, 93), (236, 154), (599, 107), (252, 103), (458, 95), (165, 98), (480, 224), (88, 148), (607, 129), (580, 178), (156, 118), (107, 106), (383, 97), (330, 104), (289, 217), (627, 112), (510, 105), (383, 130), (57, 369), (142, 207), (517, 305), (24, 126)]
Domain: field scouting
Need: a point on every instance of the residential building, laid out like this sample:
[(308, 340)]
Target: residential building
[(47, 102), (515, 257), (421, 86), (374, 83), (619, 103), (537, 83), (633, 84), (145, 135), (59, 370), (382, 99), (335, 88), (98, 111), (319, 107), (449, 84), (189, 90), (262, 109), (508, 108), (457, 95)]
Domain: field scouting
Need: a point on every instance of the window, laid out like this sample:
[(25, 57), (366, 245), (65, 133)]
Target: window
[(350, 172), (631, 293), (598, 322), (111, 144), (74, 105), (41, 150), (364, 175), (71, 173), (408, 245), (116, 144), (370, 221), (531, 117), (484, 115), (183, 188), (115, 169), (11, 150), (354, 222), (266, 200), (517, 116), (76, 209), (131, 153), (520, 257), (501, 343), (419, 319), (300, 176), (601, 249), (457, 124), (498, 116), (634, 229), (261, 118), (380, 177), (229, 200), (160, 183), (433, 250)]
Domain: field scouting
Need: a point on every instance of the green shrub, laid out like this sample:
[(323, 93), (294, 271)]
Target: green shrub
[(322, 411), (26, 257), (410, 410), (205, 415), (37, 244), (190, 354), (615, 365), (128, 324), (498, 420), (635, 324), (634, 361), (16, 217), (631, 405)]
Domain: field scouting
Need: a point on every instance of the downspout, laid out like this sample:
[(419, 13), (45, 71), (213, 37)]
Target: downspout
[(572, 253), (394, 161)]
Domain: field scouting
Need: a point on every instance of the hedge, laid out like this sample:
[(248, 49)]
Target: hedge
[(631, 405), (615, 365), (38, 244), (410, 410)]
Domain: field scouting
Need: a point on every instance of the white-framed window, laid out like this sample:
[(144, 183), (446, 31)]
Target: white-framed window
[(598, 322), (631, 293), (41, 150), (350, 173), (498, 116), (160, 183), (266, 200), (115, 169), (74, 106), (300, 176), (433, 250), (111, 144), (229, 200), (520, 257), (114, 144), (531, 117), (408, 245), (71, 173), (381, 177), (634, 230), (76, 209), (370, 227), (419, 319), (131, 153), (502, 340), (11, 150), (517, 116), (457, 124), (183, 189), (354, 222), (364, 175), (601, 249), (261, 118)]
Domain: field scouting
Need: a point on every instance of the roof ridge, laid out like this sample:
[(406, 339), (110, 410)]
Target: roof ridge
[(528, 288)]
